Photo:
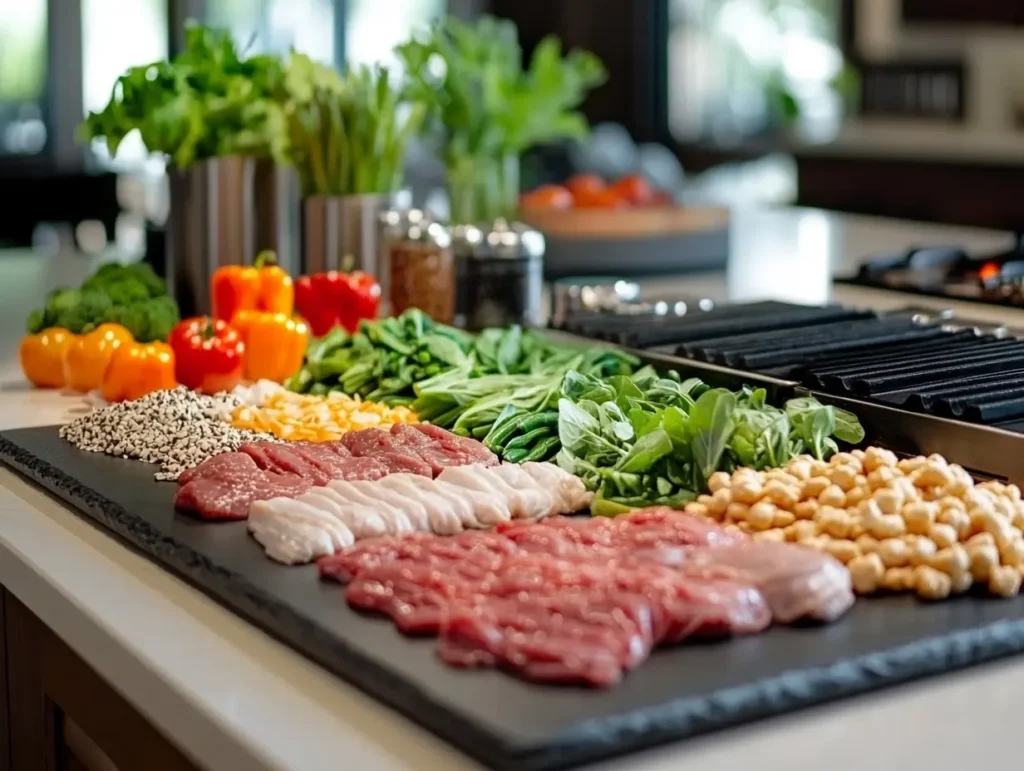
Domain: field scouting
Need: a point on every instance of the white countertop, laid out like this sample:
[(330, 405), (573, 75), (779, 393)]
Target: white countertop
[(233, 698)]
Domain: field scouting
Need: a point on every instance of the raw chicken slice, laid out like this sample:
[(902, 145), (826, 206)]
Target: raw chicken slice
[(515, 477), (363, 521), (294, 510), (457, 497), (291, 543), (415, 512), (531, 503), (572, 493), (396, 519), (441, 513), (797, 582)]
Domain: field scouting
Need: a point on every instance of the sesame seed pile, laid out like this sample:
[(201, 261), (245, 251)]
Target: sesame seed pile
[(176, 429)]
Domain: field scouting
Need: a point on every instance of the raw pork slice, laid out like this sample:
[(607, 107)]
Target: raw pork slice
[(362, 469)]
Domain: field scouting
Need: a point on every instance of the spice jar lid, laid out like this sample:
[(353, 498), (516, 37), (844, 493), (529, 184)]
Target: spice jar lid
[(414, 225), (498, 240)]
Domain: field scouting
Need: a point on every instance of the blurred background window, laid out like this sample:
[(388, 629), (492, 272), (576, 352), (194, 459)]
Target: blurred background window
[(117, 35), (275, 26), (370, 34), (23, 52), (740, 69)]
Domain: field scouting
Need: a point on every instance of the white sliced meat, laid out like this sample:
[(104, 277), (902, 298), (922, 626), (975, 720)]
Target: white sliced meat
[(458, 498), (531, 503), (487, 509), (441, 513), (396, 518), (571, 491), (363, 521), (548, 501), (296, 511), (412, 511), (291, 543)]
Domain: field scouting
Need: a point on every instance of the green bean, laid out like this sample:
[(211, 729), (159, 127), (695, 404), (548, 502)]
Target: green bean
[(526, 440), (541, 419), (503, 434), (517, 455), (542, 451), (481, 431)]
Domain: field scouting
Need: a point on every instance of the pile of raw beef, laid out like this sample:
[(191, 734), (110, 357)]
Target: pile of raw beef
[(225, 486), (586, 600)]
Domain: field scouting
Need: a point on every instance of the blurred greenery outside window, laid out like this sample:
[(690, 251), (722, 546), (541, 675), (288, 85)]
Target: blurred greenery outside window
[(742, 69), (118, 34), (23, 67)]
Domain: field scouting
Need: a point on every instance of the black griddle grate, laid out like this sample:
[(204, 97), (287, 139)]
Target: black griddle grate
[(956, 373)]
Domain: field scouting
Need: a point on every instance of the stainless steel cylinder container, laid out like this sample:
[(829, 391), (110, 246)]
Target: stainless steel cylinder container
[(342, 233), (224, 211)]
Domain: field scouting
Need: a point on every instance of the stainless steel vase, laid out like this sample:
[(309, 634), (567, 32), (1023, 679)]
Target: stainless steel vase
[(342, 233), (224, 211)]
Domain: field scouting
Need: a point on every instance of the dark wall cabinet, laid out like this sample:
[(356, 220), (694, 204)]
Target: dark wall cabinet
[(57, 714)]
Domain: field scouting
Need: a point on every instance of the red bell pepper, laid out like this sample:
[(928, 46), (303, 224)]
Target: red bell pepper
[(327, 300), (209, 354)]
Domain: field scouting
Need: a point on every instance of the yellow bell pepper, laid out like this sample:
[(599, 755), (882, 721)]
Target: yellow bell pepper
[(275, 344), (42, 357), (88, 356), (137, 369)]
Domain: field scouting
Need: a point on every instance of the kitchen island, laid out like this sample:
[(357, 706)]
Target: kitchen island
[(229, 697)]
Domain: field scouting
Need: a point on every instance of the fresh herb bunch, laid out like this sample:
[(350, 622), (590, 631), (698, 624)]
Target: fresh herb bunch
[(130, 295), (209, 101), (649, 440), (345, 134), (412, 358), (491, 109)]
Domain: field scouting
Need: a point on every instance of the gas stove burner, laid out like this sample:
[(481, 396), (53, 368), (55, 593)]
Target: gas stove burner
[(949, 271)]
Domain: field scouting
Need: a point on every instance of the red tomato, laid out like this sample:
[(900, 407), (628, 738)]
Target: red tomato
[(547, 197), (600, 199), (208, 354), (634, 189), (582, 184)]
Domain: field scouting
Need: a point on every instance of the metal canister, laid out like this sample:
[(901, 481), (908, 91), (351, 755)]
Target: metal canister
[(341, 233), (499, 275), (223, 211), (421, 269), (590, 294)]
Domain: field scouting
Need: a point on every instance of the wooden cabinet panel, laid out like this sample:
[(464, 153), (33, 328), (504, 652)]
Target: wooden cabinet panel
[(64, 716)]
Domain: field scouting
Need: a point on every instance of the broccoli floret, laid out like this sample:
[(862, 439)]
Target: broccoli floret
[(147, 320), (126, 284), (36, 321), (75, 310), (143, 273)]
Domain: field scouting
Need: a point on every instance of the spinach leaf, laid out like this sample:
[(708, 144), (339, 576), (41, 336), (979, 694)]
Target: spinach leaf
[(614, 424), (580, 433), (508, 352), (445, 350), (643, 422), (647, 451), (848, 429), (711, 426)]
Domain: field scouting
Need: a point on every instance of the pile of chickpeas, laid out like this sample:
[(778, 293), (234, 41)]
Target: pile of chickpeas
[(914, 525)]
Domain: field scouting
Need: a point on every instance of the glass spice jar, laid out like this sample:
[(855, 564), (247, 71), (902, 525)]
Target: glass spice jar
[(500, 273), (421, 268)]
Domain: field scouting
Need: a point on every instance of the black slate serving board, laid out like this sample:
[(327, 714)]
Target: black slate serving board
[(504, 722)]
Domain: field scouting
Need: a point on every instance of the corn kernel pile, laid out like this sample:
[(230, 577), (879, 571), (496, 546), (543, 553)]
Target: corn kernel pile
[(918, 524), (299, 417)]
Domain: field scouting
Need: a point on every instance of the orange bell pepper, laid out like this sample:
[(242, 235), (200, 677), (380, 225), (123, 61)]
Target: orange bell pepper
[(275, 344), (87, 358), (137, 369), (263, 286), (42, 356)]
